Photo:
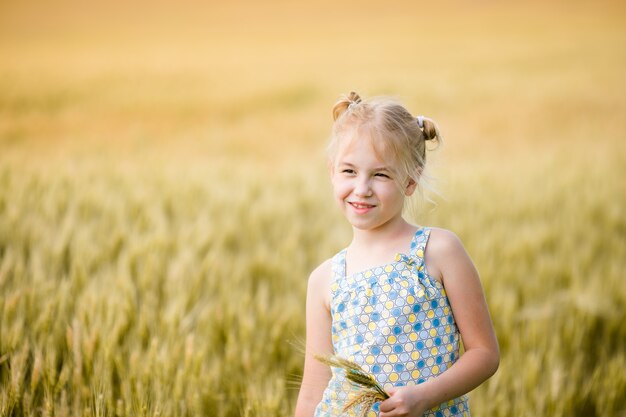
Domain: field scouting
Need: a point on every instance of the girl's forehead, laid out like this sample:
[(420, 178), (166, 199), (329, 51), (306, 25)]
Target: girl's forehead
[(364, 144)]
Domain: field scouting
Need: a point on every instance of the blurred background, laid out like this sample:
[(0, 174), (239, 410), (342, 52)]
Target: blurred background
[(164, 195)]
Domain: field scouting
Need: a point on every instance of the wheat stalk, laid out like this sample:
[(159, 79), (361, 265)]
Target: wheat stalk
[(370, 391)]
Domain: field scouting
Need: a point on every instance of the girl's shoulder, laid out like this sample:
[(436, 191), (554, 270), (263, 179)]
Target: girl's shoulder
[(323, 271), (442, 240), (319, 283), (443, 248)]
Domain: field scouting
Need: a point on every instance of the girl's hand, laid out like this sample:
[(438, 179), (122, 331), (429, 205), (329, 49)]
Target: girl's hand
[(403, 401)]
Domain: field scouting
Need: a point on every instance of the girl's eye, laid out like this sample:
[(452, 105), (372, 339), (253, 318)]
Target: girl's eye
[(348, 171), (380, 174)]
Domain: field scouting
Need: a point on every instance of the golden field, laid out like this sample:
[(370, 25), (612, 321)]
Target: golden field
[(164, 196)]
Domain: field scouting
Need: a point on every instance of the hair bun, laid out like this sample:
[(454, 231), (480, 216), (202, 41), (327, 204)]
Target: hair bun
[(344, 102), (430, 129)]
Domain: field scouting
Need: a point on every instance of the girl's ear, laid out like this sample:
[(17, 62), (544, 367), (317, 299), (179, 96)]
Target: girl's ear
[(410, 188), (412, 183)]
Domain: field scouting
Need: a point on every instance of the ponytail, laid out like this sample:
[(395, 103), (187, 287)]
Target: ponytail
[(345, 103), (429, 129)]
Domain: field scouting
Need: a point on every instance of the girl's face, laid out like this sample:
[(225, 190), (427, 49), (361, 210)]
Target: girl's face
[(365, 187)]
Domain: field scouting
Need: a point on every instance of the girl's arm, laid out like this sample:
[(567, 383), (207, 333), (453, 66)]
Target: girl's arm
[(448, 259), (318, 340)]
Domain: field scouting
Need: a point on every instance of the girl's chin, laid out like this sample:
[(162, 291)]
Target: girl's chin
[(368, 222), (363, 224)]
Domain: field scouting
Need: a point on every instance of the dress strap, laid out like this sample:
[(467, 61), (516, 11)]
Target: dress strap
[(338, 267), (418, 246)]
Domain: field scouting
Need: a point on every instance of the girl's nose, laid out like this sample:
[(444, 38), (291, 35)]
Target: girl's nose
[(363, 188)]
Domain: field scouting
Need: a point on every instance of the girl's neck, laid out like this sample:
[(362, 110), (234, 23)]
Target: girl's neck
[(387, 235)]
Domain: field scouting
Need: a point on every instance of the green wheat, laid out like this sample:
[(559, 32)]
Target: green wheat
[(370, 391)]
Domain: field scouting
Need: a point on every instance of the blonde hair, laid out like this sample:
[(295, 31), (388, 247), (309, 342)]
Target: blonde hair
[(394, 131)]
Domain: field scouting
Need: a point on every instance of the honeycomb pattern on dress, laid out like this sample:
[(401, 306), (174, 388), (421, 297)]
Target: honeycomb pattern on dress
[(396, 322)]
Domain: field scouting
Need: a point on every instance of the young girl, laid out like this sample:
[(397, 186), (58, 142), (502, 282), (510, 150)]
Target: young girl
[(399, 299)]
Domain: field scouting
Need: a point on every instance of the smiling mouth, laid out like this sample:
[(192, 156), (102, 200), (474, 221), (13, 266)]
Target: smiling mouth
[(361, 205)]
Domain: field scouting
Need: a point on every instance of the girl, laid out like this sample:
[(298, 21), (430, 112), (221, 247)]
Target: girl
[(399, 299)]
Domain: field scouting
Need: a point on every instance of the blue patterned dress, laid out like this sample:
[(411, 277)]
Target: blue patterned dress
[(396, 322)]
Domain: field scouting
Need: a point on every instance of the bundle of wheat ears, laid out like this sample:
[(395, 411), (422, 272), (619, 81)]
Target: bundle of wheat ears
[(370, 391)]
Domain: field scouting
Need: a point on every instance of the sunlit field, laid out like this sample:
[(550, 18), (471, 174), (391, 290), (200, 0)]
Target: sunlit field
[(164, 194)]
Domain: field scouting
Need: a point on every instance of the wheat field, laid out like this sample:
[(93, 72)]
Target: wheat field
[(164, 195)]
